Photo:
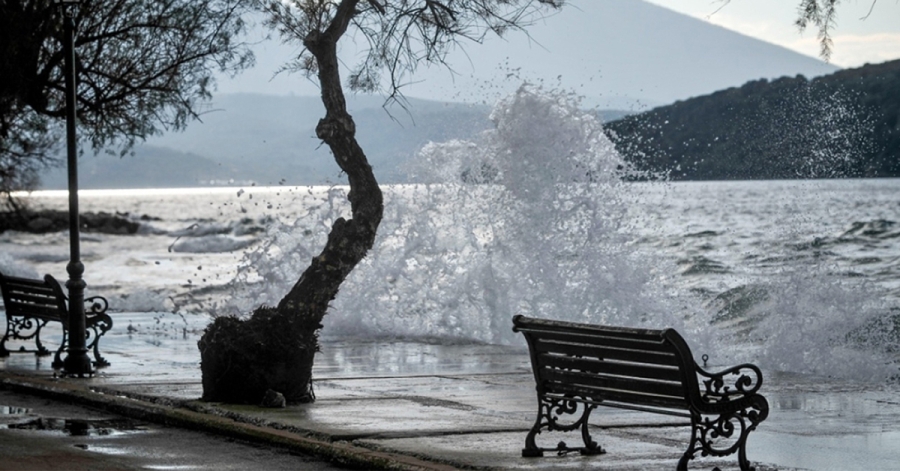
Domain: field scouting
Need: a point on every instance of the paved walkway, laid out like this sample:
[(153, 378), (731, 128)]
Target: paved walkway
[(44, 435), (416, 405)]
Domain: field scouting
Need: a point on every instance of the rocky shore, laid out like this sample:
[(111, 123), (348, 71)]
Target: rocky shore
[(40, 222)]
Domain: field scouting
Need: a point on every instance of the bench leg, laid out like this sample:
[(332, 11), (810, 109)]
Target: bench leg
[(57, 361), (41, 349), (20, 328), (93, 335), (99, 361), (99, 323), (550, 410), (3, 351), (726, 434)]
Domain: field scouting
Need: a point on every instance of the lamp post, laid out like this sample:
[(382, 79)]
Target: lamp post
[(77, 362)]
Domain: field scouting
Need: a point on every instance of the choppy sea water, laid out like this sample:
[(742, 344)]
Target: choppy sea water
[(799, 276), (774, 263)]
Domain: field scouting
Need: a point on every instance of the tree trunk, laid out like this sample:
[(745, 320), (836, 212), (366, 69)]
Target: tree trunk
[(274, 348)]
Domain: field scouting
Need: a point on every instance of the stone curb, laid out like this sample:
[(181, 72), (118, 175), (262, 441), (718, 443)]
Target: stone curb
[(340, 453)]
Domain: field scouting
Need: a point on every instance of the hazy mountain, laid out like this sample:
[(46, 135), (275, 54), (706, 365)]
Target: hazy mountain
[(148, 167), (626, 54), (623, 54), (270, 140)]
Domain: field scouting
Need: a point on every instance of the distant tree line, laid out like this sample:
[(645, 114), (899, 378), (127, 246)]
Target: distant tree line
[(841, 125)]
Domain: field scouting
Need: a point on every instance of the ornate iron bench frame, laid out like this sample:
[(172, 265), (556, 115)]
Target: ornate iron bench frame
[(582, 366), (31, 304)]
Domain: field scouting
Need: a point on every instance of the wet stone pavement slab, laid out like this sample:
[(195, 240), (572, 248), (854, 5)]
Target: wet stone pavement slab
[(471, 405), (500, 451), (41, 435)]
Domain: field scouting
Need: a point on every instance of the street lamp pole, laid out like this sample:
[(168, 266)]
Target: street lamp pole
[(77, 362)]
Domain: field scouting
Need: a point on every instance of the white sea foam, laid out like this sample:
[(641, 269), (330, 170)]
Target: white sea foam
[(9, 267), (538, 232)]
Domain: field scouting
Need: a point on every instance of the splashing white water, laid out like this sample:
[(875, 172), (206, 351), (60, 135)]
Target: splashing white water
[(807, 320), (532, 218), (10, 268), (527, 220)]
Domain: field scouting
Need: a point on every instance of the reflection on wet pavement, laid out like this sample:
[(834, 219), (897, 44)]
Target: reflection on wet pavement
[(7, 410), (80, 427), (44, 435)]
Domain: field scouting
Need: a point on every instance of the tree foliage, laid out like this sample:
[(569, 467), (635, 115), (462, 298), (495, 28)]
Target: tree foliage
[(822, 14), (143, 67), (26, 142), (401, 35)]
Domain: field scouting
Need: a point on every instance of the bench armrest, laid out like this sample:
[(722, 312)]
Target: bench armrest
[(742, 380), (98, 304)]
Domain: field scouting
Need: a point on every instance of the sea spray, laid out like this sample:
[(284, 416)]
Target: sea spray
[(795, 309), (810, 322), (9, 267), (534, 218), (815, 311), (268, 270), (527, 219)]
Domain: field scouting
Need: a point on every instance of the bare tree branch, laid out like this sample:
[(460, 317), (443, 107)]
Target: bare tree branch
[(820, 13)]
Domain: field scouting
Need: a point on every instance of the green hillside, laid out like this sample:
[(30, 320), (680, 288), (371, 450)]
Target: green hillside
[(840, 125)]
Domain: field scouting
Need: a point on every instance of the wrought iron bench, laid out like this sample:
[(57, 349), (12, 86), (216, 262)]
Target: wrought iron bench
[(578, 367), (31, 304)]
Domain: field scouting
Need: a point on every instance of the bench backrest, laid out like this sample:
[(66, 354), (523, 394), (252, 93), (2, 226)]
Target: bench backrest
[(640, 369), (42, 299)]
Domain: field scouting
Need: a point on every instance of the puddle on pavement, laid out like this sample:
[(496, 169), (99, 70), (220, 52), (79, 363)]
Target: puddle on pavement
[(80, 427)]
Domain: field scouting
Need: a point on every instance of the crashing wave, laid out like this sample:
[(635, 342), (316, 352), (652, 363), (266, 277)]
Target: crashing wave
[(532, 218)]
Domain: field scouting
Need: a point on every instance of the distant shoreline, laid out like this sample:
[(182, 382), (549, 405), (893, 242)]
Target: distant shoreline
[(219, 190), (49, 220)]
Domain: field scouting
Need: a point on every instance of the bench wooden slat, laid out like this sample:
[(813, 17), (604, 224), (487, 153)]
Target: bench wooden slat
[(655, 409), (22, 289), (604, 395), (38, 312), (657, 372), (531, 323), (17, 297), (13, 281), (619, 384), (17, 290), (43, 304), (17, 308), (651, 344), (594, 351)]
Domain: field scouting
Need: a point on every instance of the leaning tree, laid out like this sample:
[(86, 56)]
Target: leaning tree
[(144, 66), (273, 349)]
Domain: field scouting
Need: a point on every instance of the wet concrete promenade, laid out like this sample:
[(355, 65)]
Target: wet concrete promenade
[(419, 405)]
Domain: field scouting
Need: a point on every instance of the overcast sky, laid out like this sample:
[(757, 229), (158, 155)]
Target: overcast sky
[(622, 52), (860, 37)]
